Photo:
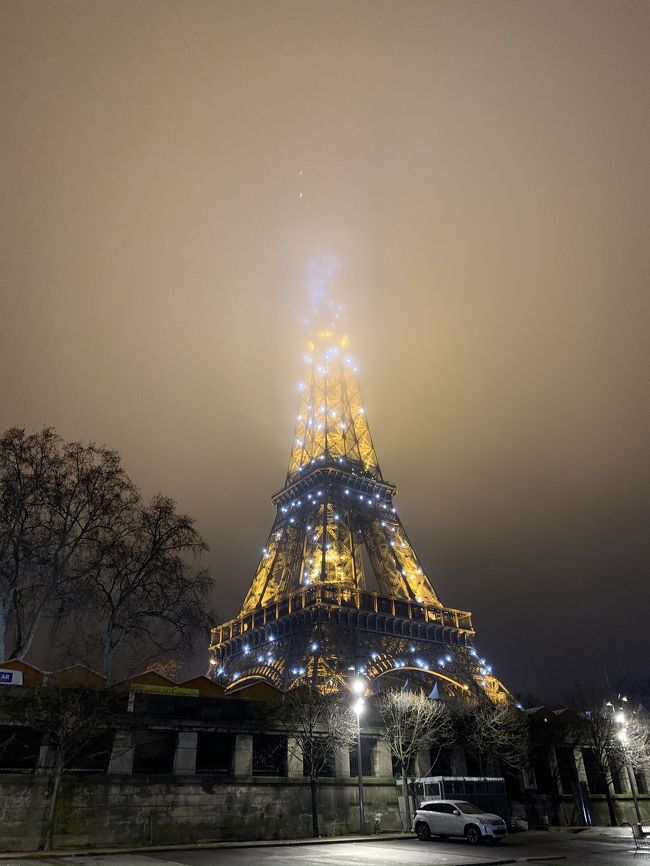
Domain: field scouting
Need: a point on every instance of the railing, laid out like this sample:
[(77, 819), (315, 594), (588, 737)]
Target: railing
[(333, 596), (388, 821)]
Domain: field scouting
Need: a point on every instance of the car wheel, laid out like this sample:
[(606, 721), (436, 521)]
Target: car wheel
[(473, 835), (423, 831)]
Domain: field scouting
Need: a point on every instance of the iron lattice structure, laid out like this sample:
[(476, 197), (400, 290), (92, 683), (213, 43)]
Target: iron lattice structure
[(339, 589)]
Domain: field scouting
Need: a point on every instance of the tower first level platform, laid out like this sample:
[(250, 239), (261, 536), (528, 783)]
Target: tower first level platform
[(327, 635)]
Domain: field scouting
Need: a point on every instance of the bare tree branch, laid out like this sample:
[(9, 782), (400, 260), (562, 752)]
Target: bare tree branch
[(497, 731), (75, 536), (413, 723), (317, 725)]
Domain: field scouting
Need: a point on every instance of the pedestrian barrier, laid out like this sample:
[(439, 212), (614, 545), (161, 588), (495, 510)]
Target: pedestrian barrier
[(641, 838), (390, 821)]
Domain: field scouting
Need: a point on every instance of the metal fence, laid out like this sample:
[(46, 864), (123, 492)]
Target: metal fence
[(388, 821)]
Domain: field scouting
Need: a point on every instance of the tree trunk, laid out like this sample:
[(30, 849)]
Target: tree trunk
[(606, 770), (406, 814), (51, 817), (610, 806), (313, 786), (25, 645), (108, 652), (3, 630)]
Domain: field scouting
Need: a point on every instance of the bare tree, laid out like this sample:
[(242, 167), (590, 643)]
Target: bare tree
[(634, 737), (167, 667), (143, 586), (547, 731), (71, 721), (413, 723), (56, 498), (632, 746), (317, 725), (599, 729), (76, 536), (494, 731)]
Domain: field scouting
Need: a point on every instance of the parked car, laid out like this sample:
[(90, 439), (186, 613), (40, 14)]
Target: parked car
[(445, 818)]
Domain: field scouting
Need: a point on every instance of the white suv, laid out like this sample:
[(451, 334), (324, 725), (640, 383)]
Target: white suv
[(457, 818)]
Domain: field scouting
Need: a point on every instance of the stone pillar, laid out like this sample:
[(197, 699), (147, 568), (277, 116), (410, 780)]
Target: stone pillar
[(554, 769), (122, 754), (382, 762), (45, 760), (185, 754), (458, 761), (294, 759), (422, 763), (641, 772), (624, 779), (342, 763), (243, 758), (580, 764)]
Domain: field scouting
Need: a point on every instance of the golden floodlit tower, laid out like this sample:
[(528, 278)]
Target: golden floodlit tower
[(339, 590)]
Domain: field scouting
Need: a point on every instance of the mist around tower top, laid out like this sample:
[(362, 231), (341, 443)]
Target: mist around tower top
[(325, 305)]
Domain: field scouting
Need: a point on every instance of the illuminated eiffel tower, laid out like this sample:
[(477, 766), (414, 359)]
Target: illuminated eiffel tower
[(339, 590)]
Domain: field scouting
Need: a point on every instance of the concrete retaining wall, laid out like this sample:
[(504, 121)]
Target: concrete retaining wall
[(100, 811)]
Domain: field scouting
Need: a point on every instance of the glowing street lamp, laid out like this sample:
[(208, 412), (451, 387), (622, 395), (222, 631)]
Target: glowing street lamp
[(358, 687)]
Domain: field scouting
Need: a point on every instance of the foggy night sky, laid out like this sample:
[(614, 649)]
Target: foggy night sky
[(479, 170)]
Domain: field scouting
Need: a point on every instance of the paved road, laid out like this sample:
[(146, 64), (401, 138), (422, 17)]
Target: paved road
[(561, 849)]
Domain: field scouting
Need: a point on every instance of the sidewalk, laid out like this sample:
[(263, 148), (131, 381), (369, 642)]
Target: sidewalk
[(610, 834), (201, 846)]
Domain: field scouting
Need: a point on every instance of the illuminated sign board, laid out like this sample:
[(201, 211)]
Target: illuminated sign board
[(164, 690)]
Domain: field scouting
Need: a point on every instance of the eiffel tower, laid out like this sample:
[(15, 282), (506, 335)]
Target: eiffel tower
[(339, 590)]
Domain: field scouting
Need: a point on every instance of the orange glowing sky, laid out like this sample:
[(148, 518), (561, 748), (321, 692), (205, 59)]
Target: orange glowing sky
[(480, 172)]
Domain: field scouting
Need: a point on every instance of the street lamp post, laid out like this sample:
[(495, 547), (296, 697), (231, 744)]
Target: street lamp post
[(622, 735), (358, 687)]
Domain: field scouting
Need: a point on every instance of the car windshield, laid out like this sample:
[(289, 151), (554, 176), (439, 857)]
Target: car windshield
[(469, 808)]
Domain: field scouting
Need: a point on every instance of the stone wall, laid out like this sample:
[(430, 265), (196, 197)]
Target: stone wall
[(172, 799), (98, 811)]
